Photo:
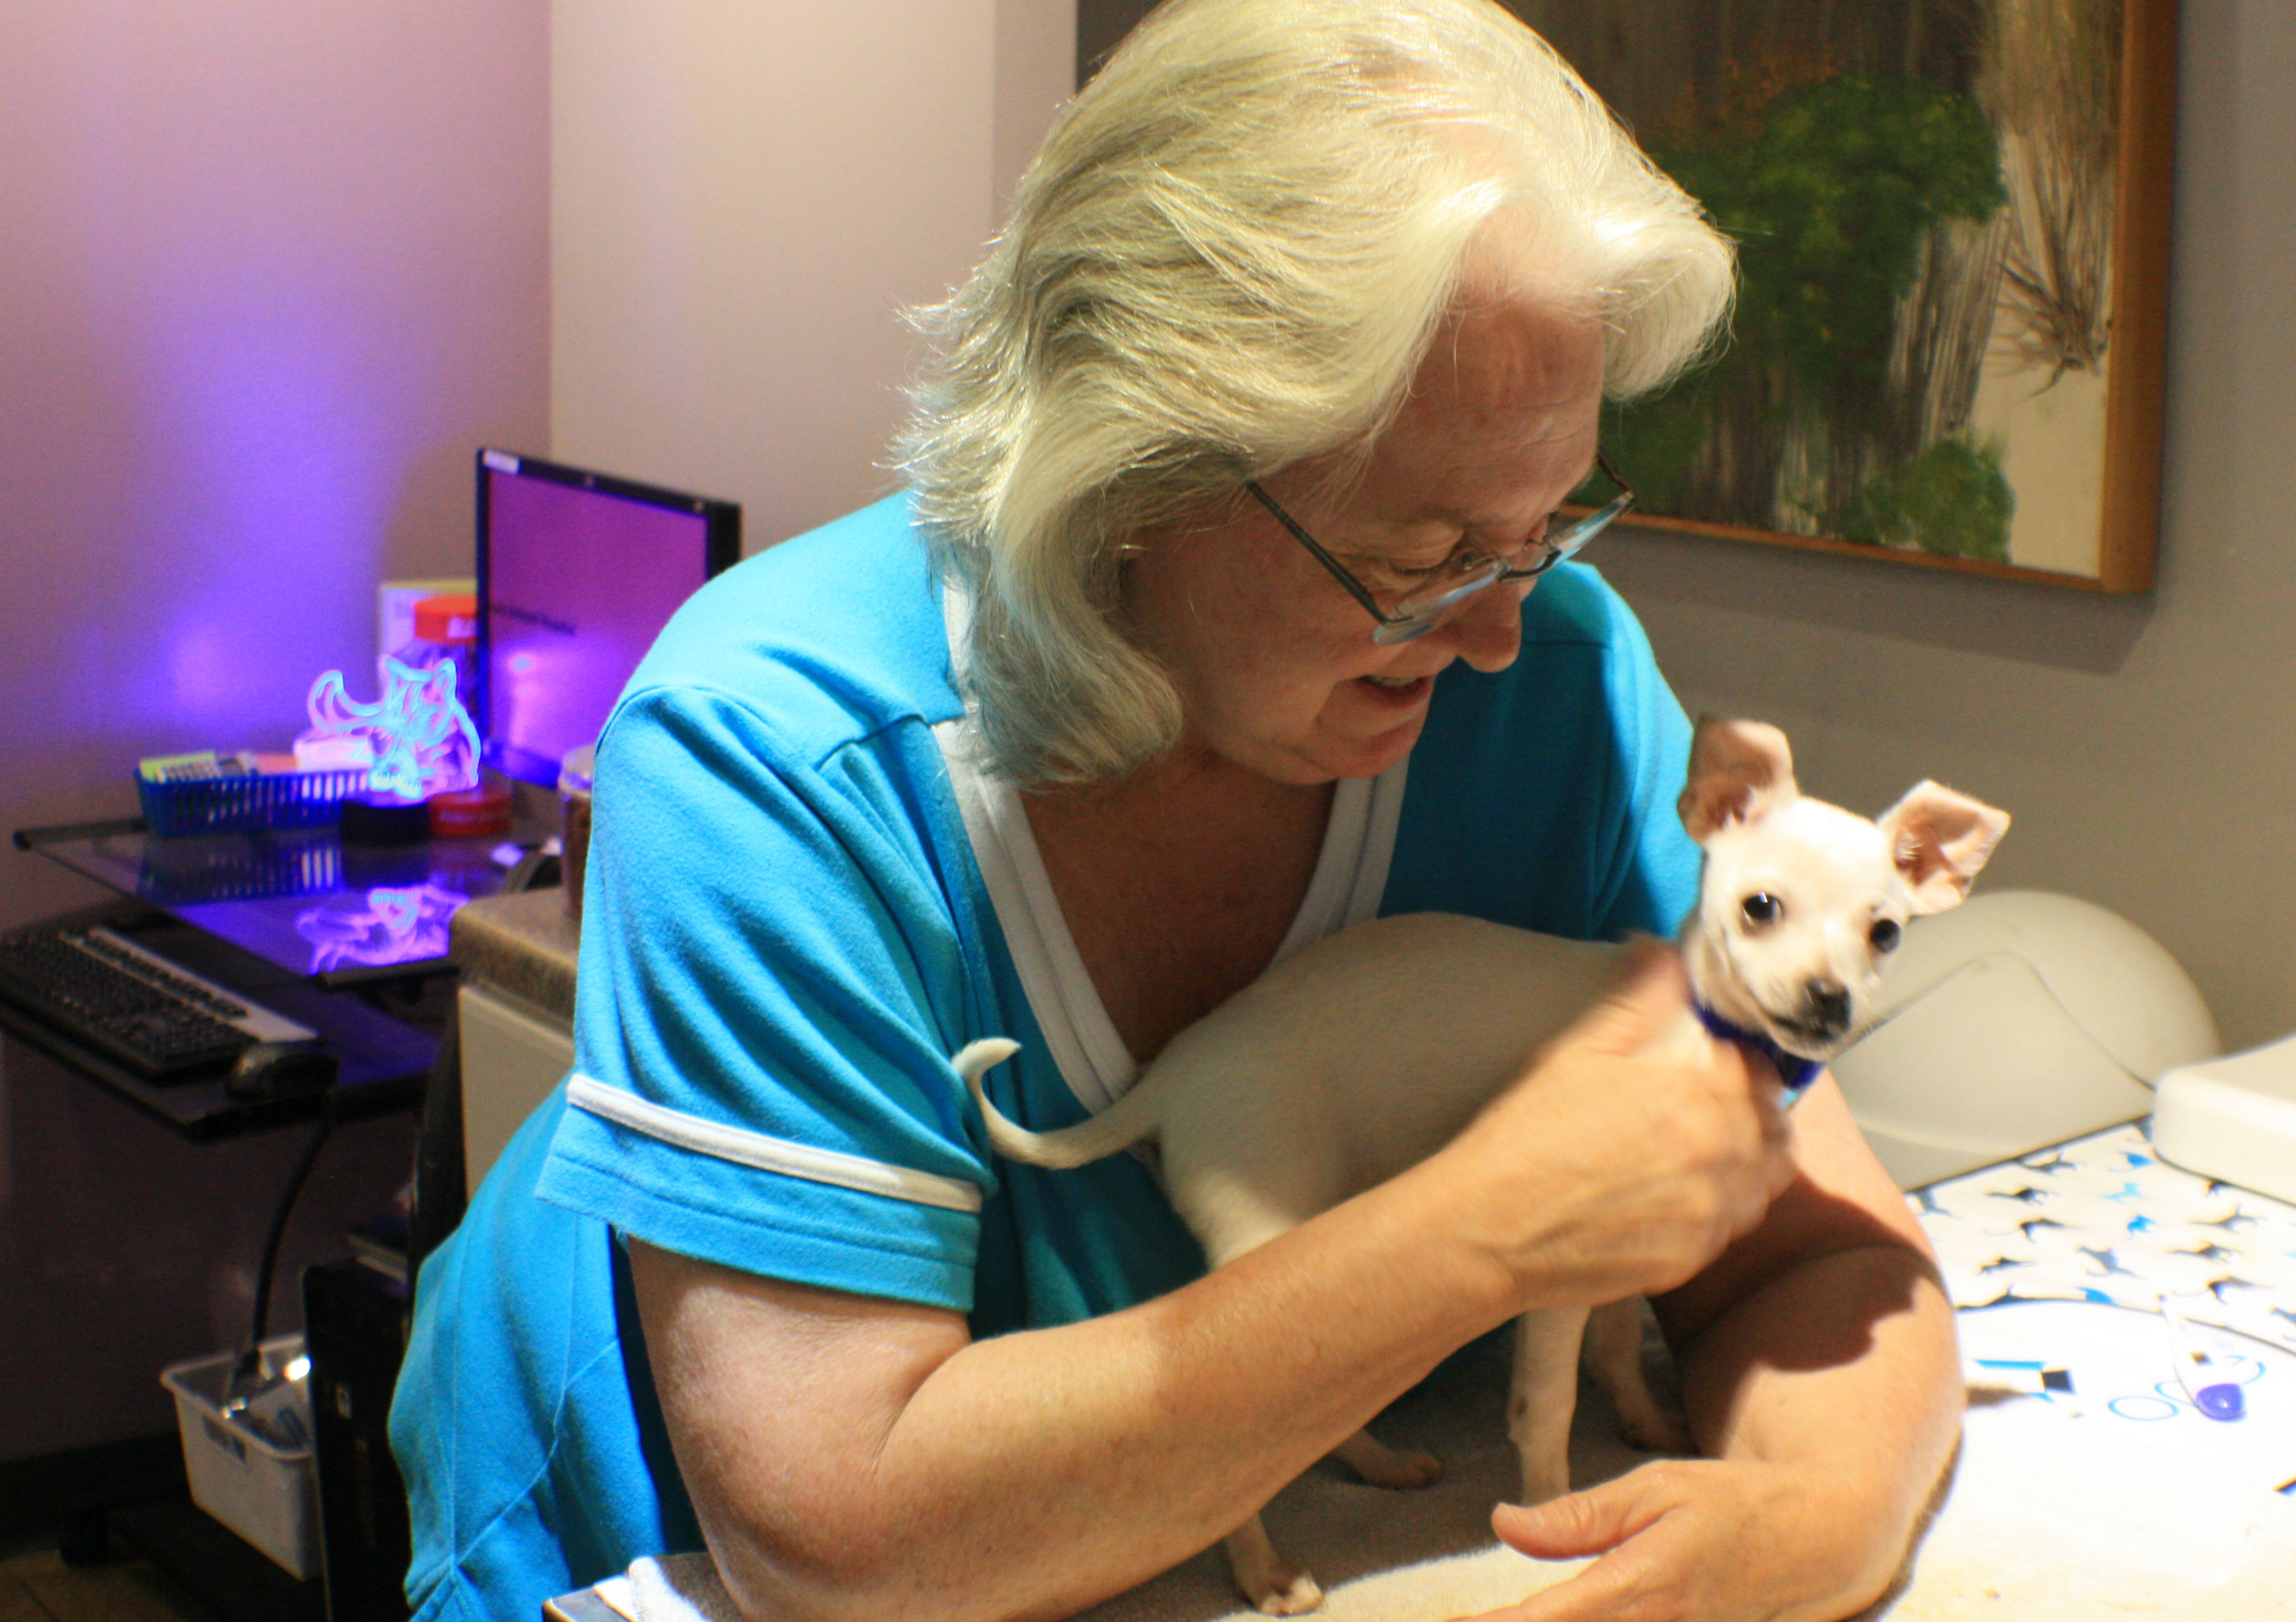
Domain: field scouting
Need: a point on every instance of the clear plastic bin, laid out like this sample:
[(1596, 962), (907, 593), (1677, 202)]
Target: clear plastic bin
[(267, 1493)]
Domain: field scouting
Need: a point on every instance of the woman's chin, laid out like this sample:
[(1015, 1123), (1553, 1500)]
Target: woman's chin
[(1368, 753)]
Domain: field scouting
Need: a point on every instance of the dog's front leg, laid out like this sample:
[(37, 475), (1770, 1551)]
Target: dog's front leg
[(1273, 1584), (1614, 1356), (1545, 1392)]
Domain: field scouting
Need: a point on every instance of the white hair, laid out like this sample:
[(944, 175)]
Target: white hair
[(1232, 254)]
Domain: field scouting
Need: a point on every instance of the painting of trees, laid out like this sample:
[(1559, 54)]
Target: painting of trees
[(1940, 307), (1952, 222)]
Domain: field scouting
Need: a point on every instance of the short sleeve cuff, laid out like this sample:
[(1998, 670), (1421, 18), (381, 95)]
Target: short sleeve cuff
[(759, 1205)]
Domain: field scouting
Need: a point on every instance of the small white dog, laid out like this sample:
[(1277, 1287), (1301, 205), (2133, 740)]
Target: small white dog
[(1366, 1053)]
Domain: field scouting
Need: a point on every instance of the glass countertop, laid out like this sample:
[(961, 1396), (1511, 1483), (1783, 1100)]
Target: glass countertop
[(300, 897)]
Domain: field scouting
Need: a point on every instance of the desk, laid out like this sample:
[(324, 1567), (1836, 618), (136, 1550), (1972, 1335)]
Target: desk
[(133, 1236), (300, 897), (386, 1060), (289, 918), (2050, 1517)]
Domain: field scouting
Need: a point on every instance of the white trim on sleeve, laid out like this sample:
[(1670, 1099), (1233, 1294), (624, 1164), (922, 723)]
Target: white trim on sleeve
[(744, 1147)]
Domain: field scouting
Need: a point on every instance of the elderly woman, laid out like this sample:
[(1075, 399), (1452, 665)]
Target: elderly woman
[(1205, 627)]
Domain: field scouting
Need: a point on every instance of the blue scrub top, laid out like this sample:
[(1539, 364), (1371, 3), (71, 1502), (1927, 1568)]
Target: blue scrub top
[(785, 936)]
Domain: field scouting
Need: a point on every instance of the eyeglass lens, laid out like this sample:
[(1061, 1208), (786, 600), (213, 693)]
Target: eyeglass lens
[(1419, 608)]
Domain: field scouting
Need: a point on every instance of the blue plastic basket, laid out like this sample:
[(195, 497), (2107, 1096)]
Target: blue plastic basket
[(258, 800)]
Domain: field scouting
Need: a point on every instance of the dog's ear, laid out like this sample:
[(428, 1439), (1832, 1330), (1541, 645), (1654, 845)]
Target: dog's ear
[(1738, 768), (1939, 839)]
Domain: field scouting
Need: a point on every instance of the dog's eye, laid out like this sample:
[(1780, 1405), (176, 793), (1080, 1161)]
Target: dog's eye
[(1885, 934), (1762, 909)]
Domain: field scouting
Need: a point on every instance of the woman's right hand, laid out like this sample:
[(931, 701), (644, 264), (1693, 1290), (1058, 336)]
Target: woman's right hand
[(1632, 1152)]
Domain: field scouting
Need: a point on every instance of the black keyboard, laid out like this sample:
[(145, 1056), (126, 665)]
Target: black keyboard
[(155, 1017)]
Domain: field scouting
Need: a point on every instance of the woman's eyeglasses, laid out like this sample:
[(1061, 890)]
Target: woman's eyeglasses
[(1420, 609)]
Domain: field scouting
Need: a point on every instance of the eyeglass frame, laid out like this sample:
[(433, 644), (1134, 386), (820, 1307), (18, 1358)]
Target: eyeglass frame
[(1394, 628)]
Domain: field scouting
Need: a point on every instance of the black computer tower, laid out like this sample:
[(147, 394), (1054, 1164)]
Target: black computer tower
[(355, 1330)]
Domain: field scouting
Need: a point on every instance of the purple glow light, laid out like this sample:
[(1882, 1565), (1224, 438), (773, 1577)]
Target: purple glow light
[(421, 738), (397, 925)]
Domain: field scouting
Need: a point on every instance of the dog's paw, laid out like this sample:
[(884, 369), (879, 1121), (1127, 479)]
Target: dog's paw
[(1292, 1593), (1273, 1584), (1407, 1469)]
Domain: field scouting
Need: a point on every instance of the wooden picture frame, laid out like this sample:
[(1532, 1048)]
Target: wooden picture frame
[(2038, 455), (2078, 439)]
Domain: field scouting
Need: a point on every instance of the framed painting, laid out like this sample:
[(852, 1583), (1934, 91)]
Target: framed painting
[(1952, 218), (1953, 226)]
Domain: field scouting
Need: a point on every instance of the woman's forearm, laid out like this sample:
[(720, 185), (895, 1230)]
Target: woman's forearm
[(1847, 1367), (856, 1458), (850, 1457), (1187, 1418)]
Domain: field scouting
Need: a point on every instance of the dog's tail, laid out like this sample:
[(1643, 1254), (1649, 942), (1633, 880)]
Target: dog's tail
[(1122, 1125)]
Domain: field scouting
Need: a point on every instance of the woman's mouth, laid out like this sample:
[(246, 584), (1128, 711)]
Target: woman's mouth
[(1400, 690)]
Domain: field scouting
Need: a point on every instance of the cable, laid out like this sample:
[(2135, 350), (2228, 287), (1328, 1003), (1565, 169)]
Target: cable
[(251, 1361)]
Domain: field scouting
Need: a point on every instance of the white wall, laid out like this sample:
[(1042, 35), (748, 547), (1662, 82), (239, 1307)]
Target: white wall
[(2146, 746), (269, 272), (745, 194)]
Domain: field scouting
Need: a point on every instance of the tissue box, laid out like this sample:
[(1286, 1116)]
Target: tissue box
[(267, 1493), (2232, 1118)]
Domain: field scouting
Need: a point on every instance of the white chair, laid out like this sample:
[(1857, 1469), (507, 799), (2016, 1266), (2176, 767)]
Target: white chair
[(2017, 1020)]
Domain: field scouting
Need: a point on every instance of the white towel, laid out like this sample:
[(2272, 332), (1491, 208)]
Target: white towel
[(676, 1588)]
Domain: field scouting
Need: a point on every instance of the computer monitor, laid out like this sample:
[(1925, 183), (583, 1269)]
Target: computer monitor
[(577, 573)]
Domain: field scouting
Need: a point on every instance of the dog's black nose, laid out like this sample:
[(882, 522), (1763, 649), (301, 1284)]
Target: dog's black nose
[(1827, 1006)]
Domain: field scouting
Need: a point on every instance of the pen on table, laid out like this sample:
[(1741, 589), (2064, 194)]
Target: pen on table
[(2198, 1371)]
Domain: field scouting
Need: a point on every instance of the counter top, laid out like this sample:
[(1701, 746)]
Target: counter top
[(526, 944)]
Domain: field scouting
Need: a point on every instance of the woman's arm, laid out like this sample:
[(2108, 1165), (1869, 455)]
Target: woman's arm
[(858, 1458), (1822, 1383), (851, 1457)]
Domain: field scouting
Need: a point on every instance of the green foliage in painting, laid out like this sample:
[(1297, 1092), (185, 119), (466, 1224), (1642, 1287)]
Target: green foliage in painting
[(1952, 498), (1829, 201), (1829, 189), (1656, 441)]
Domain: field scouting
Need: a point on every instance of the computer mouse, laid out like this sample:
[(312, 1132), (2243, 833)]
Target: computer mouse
[(280, 1070)]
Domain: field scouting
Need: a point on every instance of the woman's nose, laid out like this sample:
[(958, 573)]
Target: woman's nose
[(1487, 631)]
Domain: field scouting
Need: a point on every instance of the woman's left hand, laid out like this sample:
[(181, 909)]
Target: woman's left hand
[(1697, 1540), (1820, 1376)]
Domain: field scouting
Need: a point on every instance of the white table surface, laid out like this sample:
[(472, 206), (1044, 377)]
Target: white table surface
[(2060, 1507), (2104, 1500)]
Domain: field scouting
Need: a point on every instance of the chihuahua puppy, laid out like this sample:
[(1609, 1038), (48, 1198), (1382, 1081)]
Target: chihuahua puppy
[(1368, 1051)]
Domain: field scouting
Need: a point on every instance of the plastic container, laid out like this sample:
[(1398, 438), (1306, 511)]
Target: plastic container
[(216, 793), (2232, 1118), (576, 774), (447, 627), (267, 1493)]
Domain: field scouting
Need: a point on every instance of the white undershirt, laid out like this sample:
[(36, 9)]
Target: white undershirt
[(1349, 878)]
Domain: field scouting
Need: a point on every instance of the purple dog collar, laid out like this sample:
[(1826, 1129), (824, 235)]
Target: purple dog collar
[(1795, 1071)]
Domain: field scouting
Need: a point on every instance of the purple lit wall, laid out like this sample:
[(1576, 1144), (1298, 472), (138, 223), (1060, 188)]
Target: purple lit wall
[(271, 271)]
